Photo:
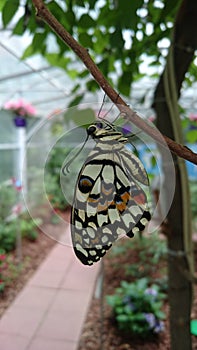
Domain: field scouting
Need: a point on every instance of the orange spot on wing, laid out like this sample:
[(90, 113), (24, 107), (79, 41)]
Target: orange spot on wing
[(125, 197), (121, 206), (102, 207), (106, 191), (93, 200)]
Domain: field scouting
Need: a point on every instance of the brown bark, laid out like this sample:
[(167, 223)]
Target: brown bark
[(180, 288)]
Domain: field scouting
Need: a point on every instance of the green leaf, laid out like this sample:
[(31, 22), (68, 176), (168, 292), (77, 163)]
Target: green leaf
[(153, 161), (9, 10), (103, 66), (72, 73), (101, 41), (111, 299), (86, 21), (70, 16), (75, 88), (92, 3), (160, 314), (55, 59), (170, 8), (128, 13), (57, 10), (124, 84), (192, 136), (85, 40), (38, 41), (107, 17), (116, 39), (33, 24), (92, 85), (29, 51), (79, 3), (83, 74), (19, 27), (2, 4), (122, 318), (76, 100)]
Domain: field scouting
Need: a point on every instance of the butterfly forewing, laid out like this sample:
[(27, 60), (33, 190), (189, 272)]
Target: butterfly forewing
[(108, 200)]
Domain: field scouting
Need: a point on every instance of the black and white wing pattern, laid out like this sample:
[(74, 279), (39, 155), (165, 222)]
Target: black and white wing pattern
[(108, 200)]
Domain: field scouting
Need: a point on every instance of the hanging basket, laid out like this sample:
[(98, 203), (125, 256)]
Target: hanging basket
[(20, 121)]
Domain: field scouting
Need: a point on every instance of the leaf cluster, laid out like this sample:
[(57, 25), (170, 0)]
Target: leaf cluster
[(8, 197), (137, 307), (119, 35)]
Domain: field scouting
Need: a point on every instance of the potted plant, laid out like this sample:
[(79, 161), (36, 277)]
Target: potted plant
[(21, 110)]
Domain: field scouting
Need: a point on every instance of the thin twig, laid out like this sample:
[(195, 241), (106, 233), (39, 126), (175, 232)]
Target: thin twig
[(180, 150)]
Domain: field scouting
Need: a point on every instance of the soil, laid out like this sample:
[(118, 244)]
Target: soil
[(100, 331)]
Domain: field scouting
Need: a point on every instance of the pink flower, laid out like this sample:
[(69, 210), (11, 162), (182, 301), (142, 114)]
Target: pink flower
[(2, 257), (20, 107), (151, 118), (193, 117), (17, 209), (17, 184)]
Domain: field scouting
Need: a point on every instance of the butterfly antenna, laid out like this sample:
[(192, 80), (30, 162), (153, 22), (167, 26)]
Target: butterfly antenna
[(65, 169), (112, 106), (101, 106)]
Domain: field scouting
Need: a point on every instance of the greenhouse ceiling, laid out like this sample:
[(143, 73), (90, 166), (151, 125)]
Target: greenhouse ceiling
[(48, 88)]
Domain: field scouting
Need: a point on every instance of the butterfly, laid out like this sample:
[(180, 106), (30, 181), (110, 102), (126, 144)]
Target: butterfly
[(108, 199)]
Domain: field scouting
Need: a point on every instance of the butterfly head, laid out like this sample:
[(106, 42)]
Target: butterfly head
[(104, 131)]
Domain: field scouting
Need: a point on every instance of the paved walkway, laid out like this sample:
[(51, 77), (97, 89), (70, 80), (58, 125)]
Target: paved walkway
[(48, 314)]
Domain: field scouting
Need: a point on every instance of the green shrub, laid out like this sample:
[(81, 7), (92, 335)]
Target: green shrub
[(3, 266), (52, 177), (54, 193), (193, 191), (8, 197), (60, 190), (137, 308), (29, 226), (8, 232)]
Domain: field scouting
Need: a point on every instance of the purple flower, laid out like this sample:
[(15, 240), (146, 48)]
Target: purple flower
[(151, 291), (159, 327), (126, 129), (131, 306), (155, 325), (127, 301), (150, 319)]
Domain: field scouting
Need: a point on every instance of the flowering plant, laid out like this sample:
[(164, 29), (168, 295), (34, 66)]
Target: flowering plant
[(20, 108), (190, 128), (137, 308)]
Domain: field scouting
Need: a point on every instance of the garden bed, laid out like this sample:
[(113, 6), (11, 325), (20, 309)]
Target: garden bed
[(100, 329)]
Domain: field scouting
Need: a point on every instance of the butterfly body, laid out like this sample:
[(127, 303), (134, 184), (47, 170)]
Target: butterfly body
[(108, 202)]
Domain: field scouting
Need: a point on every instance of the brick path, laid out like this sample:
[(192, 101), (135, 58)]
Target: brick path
[(48, 314)]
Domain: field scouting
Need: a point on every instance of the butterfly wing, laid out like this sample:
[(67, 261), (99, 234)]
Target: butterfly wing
[(107, 203)]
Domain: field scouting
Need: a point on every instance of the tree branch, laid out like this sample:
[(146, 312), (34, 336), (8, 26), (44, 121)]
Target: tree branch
[(82, 53)]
